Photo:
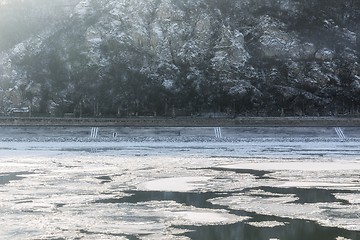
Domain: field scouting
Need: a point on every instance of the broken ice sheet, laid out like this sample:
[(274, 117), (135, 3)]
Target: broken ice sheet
[(268, 224), (200, 217), (180, 184), (333, 214), (61, 198), (353, 198)]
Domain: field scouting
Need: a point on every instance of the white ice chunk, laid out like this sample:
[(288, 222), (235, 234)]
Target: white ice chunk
[(179, 184)]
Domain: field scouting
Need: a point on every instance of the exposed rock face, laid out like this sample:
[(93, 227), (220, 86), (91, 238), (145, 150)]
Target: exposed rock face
[(138, 57)]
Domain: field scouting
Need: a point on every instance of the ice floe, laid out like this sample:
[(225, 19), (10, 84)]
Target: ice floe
[(179, 184), (61, 192)]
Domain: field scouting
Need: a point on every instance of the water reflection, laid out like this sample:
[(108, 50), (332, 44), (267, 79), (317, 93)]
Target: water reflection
[(292, 229), (5, 178), (308, 195), (125, 236), (259, 174), (196, 199)]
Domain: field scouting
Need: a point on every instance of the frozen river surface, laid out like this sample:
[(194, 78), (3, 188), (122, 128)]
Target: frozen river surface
[(180, 183)]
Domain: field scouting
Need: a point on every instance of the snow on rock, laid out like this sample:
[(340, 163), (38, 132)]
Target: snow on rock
[(325, 54), (93, 35), (82, 8), (202, 45), (229, 51), (275, 42)]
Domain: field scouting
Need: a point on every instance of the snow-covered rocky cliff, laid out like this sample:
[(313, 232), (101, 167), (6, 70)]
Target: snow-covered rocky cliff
[(159, 56)]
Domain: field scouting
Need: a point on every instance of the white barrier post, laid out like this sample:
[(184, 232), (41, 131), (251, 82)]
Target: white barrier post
[(340, 133), (217, 131), (94, 132)]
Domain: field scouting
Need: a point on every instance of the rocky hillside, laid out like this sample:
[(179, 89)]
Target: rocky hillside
[(182, 57)]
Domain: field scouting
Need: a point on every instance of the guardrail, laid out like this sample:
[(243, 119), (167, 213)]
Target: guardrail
[(182, 121)]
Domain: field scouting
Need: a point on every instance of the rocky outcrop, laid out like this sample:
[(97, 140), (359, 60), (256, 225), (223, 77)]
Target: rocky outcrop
[(139, 57)]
